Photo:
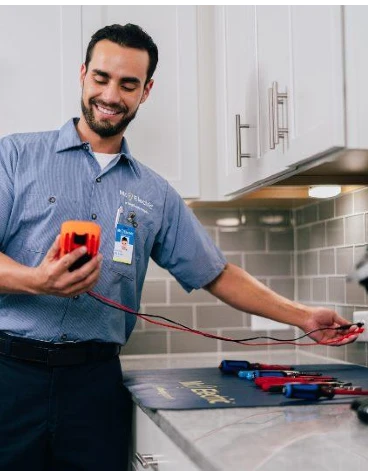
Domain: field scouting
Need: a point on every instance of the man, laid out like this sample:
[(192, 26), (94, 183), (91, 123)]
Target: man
[(63, 406)]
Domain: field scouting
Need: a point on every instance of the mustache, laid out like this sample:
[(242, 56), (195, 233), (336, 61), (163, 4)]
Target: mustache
[(111, 106)]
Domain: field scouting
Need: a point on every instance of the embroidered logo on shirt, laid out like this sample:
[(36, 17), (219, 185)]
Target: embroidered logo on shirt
[(136, 201)]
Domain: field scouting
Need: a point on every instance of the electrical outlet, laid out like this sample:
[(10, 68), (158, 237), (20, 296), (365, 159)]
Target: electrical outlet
[(362, 316)]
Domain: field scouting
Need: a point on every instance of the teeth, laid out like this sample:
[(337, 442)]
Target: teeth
[(106, 111)]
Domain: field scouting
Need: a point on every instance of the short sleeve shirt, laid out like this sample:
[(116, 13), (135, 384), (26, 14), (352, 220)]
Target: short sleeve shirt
[(51, 177)]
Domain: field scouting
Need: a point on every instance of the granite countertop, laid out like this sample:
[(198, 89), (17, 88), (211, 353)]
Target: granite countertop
[(326, 438)]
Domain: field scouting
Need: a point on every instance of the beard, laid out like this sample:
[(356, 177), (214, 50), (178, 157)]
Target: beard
[(105, 128)]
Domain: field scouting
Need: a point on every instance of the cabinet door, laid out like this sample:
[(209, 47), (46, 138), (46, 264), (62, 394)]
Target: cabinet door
[(316, 120), (164, 134), (356, 69), (236, 94), (273, 57), (149, 439), (297, 63), (40, 57)]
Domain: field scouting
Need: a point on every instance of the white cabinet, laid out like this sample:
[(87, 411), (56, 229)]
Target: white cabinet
[(356, 72), (316, 82), (40, 57), (281, 69), (236, 97), (164, 134), (150, 440), (43, 47)]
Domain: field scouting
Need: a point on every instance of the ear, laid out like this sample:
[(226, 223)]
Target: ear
[(82, 75), (147, 90)]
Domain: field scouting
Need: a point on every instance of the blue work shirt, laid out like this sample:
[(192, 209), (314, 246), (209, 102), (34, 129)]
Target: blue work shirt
[(51, 177)]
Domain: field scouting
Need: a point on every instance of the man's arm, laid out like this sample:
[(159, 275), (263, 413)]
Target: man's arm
[(52, 276), (240, 290)]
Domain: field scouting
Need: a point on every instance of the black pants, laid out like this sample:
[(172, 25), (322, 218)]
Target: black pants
[(63, 418)]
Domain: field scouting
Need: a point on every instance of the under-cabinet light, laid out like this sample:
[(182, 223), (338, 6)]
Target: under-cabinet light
[(324, 191), (228, 222)]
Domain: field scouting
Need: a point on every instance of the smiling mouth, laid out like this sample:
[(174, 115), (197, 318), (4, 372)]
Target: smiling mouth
[(107, 111)]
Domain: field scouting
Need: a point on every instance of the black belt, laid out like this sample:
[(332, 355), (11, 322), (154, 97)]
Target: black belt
[(56, 354)]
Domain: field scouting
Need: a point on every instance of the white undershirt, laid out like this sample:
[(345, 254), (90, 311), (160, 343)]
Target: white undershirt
[(104, 159)]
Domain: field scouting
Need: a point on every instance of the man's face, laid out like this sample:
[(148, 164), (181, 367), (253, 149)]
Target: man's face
[(124, 244), (113, 87)]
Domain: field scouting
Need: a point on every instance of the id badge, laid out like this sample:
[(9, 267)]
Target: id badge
[(124, 243)]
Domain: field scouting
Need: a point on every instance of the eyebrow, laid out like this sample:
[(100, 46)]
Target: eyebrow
[(123, 80)]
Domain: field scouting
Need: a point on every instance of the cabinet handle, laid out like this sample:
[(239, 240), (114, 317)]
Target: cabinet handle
[(274, 100), (271, 133), (147, 461), (239, 154)]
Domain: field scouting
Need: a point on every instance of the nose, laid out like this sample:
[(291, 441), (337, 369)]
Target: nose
[(111, 94)]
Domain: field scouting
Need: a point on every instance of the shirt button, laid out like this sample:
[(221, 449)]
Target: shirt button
[(94, 216), (52, 199), (85, 146), (63, 337), (98, 179), (76, 297)]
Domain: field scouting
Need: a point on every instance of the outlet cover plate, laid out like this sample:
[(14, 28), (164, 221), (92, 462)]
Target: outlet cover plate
[(362, 316)]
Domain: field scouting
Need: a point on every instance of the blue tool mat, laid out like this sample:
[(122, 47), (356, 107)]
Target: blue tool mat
[(208, 388)]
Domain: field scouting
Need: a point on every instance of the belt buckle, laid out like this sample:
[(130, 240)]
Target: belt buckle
[(62, 356)]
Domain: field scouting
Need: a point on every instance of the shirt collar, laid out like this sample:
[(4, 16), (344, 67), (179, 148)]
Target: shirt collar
[(69, 139)]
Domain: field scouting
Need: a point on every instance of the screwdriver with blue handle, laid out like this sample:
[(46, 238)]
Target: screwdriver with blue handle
[(233, 366), (253, 374), (316, 391)]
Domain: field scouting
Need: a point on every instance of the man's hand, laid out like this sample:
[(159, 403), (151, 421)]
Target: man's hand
[(53, 277), (320, 318)]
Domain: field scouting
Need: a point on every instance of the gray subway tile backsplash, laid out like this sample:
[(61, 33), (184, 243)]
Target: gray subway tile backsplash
[(327, 262), (246, 240), (219, 316), (326, 210), (344, 205), (319, 290), (355, 229), (281, 239), (344, 260), (307, 257), (318, 235), (310, 263), (154, 291), (361, 201), (271, 264), (335, 232), (336, 289)]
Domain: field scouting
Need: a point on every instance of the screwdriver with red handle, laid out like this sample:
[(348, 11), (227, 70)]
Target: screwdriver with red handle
[(276, 380)]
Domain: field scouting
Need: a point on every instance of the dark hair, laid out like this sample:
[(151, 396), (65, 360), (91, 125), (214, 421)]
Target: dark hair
[(128, 35)]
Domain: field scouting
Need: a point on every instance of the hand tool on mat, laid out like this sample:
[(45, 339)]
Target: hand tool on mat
[(316, 391), (253, 374), (260, 382), (277, 387), (233, 366)]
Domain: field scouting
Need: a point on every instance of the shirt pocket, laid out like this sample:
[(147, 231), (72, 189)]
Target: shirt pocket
[(43, 217)]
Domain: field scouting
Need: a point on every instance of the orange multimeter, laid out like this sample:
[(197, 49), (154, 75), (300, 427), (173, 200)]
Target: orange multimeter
[(75, 234)]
